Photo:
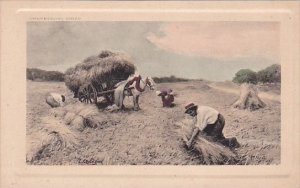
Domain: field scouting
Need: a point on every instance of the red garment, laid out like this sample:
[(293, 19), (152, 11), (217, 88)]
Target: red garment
[(165, 91), (137, 80), (167, 100)]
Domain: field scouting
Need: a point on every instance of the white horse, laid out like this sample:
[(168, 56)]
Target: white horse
[(133, 86)]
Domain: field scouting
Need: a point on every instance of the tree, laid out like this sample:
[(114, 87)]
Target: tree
[(42, 75), (245, 76), (271, 74), (29, 74)]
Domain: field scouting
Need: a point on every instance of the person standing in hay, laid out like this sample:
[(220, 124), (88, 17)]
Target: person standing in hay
[(167, 97), (209, 122)]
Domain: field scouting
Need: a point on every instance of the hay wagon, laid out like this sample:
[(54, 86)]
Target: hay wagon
[(97, 76), (89, 93)]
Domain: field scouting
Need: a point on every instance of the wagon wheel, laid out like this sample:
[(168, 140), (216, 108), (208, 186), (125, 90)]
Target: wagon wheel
[(87, 94)]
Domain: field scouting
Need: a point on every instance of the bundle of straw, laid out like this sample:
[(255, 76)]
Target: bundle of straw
[(61, 130), (78, 115), (210, 152), (52, 136)]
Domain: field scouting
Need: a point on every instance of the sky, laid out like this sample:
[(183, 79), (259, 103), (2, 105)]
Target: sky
[(196, 50)]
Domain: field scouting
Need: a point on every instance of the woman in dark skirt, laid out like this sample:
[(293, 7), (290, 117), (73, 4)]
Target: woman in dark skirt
[(167, 97)]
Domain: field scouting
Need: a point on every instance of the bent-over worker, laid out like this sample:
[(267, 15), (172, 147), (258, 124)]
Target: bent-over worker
[(210, 122), (55, 100), (167, 97)]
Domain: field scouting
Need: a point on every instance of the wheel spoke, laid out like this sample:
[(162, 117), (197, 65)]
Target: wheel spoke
[(88, 94), (81, 97)]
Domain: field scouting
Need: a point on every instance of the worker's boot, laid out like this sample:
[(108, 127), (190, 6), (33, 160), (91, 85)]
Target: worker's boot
[(230, 142)]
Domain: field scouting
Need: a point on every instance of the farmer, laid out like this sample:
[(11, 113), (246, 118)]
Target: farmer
[(167, 97), (210, 123), (55, 100)]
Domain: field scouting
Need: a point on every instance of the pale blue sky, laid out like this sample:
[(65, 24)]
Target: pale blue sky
[(153, 46)]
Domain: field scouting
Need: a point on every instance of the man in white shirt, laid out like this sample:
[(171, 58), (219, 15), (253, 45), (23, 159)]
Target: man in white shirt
[(55, 100), (209, 122)]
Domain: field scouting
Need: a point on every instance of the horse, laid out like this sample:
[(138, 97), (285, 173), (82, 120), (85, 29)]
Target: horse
[(133, 86)]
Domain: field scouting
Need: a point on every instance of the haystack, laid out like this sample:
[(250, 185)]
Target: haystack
[(209, 151), (249, 98), (62, 130), (108, 67), (52, 136)]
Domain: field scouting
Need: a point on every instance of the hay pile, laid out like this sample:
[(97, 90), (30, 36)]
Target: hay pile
[(62, 129), (78, 116), (209, 151), (52, 136), (249, 98), (105, 68)]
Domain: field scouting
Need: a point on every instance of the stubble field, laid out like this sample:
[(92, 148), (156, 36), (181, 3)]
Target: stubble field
[(148, 136)]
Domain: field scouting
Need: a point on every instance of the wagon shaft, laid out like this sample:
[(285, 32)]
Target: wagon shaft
[(105, 92)]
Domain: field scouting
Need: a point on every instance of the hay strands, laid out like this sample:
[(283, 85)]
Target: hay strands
[(209, 151), (213, 152)]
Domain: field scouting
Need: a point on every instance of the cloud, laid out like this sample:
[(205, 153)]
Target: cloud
[(158, 48), (59, 45), (220, 40)]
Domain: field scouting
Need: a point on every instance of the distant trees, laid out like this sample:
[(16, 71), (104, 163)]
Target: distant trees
[(42, 75), (169, 79), (271, 74), (245, 76)]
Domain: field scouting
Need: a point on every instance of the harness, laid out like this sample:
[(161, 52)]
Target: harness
[(137, 80)]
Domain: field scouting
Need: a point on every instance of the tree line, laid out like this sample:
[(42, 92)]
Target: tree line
[(169, 79), (35, 74), (271, 74)]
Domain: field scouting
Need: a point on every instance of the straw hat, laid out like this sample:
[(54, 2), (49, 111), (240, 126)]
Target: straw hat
[(190, 106)]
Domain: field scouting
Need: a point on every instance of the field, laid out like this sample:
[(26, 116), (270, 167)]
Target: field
[(148, 137)]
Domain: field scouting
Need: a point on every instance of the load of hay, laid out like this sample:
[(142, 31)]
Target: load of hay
[(106, 67), (209, 151), (249, 98)]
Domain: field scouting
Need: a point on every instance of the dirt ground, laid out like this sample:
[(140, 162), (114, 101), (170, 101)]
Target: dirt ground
[(148, 137)]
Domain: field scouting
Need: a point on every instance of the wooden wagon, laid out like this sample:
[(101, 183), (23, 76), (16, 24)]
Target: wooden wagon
[(97, 76), (89, 93)]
